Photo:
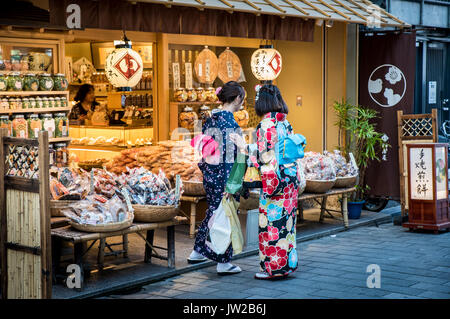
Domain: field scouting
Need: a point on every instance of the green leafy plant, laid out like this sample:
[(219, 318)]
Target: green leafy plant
[(358, 135)]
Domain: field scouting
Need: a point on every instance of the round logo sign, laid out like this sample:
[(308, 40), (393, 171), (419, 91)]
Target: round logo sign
[(387, 85)]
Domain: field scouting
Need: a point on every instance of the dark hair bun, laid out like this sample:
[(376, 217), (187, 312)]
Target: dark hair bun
[(230, 91)]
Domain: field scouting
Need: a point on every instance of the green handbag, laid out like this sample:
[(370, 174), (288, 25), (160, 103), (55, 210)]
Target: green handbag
[(235, 181)]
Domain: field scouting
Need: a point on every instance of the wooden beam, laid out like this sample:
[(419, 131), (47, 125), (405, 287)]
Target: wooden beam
[(251, 4), (227, 3), (296, 7), (364, 8), (275, 6), (334, 9), (22, 184), (350, 9), (3, 219), (316, 8)]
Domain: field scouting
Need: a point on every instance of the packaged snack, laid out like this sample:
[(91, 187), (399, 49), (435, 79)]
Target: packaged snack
[(19, 126), (48, 124), (34, 126), (318, 167)]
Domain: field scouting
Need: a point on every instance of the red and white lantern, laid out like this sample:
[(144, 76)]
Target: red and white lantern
[(124, 66), (266, 63)]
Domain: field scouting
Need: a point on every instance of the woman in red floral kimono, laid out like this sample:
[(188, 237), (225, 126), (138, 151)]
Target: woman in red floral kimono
[(278, 199)]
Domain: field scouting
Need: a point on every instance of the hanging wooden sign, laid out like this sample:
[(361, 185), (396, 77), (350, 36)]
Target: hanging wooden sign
[(230, 67), (206, 66)]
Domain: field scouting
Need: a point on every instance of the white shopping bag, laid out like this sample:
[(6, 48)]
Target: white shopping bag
[(220, 230)]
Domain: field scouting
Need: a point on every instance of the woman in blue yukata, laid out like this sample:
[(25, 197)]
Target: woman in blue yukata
[(279, 194), (215, 174)]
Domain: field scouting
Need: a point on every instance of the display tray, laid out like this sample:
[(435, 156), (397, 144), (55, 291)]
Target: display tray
[(57, 205)]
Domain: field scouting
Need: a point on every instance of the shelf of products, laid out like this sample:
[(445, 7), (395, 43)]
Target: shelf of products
[(37, 110)]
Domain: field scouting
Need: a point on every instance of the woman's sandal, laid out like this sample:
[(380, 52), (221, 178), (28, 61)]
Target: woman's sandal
[(266, 276), (196, 261), (231, 271)]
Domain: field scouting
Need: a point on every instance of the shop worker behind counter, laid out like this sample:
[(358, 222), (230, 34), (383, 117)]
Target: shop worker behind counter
[(86, 103)]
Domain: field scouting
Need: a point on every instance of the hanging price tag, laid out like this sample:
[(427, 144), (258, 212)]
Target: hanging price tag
[(208, 71), (176, 75), (230, 69), (188, 75)]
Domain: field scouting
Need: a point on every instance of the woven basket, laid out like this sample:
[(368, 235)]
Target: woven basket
[(319, 186), (346, 182), (57, 205), (154, 214), (193, 188), (102, 228)]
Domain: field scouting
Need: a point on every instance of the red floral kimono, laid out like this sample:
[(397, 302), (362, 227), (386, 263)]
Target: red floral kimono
[(278, 200)]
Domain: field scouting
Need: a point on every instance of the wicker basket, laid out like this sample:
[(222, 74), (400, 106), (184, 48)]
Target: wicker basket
[(319, 186), (193, 188), (346, 182), (154, 214), (102, 228), (57, 205)]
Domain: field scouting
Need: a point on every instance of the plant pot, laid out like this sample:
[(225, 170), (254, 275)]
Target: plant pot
[(354, 209)]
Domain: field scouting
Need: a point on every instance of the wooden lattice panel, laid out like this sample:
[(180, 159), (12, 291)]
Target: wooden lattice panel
[(417, 127), (22, 161)]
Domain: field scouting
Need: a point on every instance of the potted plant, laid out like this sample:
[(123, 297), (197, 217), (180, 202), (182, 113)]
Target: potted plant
[(358, 135)]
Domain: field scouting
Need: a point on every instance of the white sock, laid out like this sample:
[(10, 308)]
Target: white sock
[(196, 255), (223, 266)]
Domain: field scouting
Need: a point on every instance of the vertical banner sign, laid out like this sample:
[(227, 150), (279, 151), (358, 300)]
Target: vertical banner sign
[(208, 71), (386, 84), (432, 92), (176, 75), (188, 75)]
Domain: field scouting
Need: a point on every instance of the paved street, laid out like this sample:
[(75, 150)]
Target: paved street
[(413, 265)]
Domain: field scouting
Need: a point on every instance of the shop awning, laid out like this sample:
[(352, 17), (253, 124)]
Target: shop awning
[(350, 11)]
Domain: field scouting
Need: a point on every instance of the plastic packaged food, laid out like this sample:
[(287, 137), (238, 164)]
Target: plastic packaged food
[(191, 95), (15, 82), (19, 126), (204, 113), (5, 123), (201, 94), (45, 82), (61, 125), (34, 126), (60, 82), (61, 155), (318, 167), (48, 124), (211, 95), (180, 95), (3, 83), (30, 82), (187, 118)]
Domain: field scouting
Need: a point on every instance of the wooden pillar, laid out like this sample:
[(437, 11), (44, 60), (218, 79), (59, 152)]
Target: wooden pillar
[(162, 114), (400, 162)]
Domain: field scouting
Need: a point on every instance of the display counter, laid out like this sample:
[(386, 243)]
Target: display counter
[(94, 142)]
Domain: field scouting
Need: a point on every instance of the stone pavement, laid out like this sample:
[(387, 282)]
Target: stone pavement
[(413, 265)]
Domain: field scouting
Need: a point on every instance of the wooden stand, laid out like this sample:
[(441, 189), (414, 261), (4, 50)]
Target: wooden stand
[(431, 212)]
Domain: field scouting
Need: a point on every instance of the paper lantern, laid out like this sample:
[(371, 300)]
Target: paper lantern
[(266, 63), (124, 66)]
